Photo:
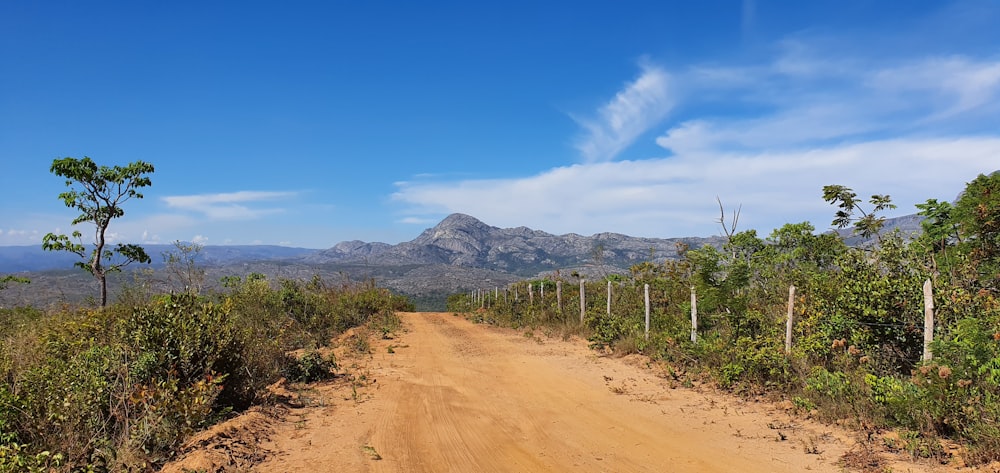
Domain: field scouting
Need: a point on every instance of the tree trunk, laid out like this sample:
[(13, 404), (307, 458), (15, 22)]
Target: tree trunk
[(104, 289)]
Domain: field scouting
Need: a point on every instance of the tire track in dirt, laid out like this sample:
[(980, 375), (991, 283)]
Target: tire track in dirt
[(459, 397)]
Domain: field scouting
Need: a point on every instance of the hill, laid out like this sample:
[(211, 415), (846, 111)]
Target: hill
[(459, 253)]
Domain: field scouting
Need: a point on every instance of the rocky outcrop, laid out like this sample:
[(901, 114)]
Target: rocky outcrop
[(462, 240)]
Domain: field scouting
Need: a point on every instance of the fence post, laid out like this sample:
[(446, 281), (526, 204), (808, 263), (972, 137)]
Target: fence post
[(559, 295), (647, 311), (609, 298), (531, 294), (694, 316), (788, 321), (583, 299), (541, 292), (928, 319)]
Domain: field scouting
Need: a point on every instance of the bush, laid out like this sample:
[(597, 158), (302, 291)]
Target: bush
[(311, 366), (118, 389)]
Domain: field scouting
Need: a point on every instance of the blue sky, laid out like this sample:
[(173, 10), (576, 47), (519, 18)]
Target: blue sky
[(309, 123)]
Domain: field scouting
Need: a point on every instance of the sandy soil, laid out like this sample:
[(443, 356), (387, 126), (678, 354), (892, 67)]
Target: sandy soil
[(452, 396)]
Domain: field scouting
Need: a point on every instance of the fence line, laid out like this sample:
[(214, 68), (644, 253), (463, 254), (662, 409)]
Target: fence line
[(481, 297)]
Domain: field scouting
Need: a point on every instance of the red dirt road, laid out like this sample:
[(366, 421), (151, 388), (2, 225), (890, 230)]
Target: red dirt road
[(458, 397)]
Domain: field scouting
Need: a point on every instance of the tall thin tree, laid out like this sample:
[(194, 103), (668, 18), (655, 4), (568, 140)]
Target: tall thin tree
[(98, 192)]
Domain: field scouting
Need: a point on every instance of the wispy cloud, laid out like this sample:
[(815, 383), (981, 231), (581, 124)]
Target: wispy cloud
[(415, 220), (640, 105), (960, 84), (915, 127), (806, 98), (228, 206), (676, 196)]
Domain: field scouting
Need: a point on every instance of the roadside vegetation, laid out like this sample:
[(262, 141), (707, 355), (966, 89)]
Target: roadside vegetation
[(857, 344), (119, 388)]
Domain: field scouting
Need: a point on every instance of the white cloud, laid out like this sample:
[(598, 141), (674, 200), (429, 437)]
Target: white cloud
[(779, 130), (640, 105), (228, 206), (676, 196), (808, 98), (416, 220), (199, 239), (150, 238), (962, 84)]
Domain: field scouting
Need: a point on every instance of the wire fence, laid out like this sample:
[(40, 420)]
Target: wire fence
[(648, 304)]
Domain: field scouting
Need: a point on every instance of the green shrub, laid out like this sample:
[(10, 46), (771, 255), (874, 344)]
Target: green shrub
[(185, 338), (118, 389), (311, 366), (607, 330)]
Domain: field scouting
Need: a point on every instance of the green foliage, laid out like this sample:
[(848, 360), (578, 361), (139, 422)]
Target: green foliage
[(98, 193), (311, 366), (757, 363), (939, 228), (977, 216), (118, 389), (858, 331), (607, 330), (181, 337), (869, 224), (16, 458)]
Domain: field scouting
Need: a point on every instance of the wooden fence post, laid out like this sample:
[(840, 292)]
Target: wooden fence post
[(583, 299), (541, 292), (647, 311), (609, 298), (788, 321), (531, 294), (559, 296), (928, 319), (694, 316)]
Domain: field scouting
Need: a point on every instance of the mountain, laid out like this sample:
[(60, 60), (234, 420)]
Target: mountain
[(458, 254), (15, 259), (464, 241)]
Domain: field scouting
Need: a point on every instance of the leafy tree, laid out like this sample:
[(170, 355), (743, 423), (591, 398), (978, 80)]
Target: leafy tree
[(938, 225), (98, 192), (799, 254), (977, 216), (869, 224)]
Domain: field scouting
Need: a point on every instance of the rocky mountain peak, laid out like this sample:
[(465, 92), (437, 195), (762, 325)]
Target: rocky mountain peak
[(457, 226), (461, 222)]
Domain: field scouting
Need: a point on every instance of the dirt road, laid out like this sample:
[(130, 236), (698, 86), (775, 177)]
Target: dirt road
[(459, 397)]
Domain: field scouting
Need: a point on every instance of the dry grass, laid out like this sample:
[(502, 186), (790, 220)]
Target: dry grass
[(864, 458)]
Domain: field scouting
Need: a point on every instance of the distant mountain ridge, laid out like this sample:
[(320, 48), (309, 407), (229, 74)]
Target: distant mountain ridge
[(459, 253), (33, 258), (463, 240)]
